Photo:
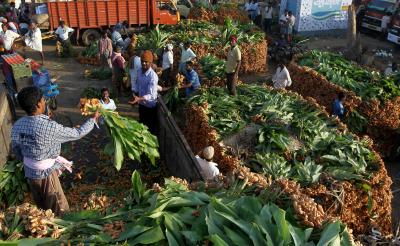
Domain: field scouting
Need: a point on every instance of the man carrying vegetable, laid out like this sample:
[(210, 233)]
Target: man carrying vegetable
[(37, 141), (146, 87), (187, 54), (234, 59), (192, 79)]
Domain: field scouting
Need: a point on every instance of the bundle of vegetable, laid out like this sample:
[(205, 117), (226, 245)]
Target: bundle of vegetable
[(174, 215), (172, 100), (155, 40), (128, 136), (13, 184), (212, 66), (91, 92), (91, 51), (98, 73)]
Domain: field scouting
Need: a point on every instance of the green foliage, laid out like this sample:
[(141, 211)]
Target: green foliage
[(13, 184), (91, 51), (366, 84), (154, 40), (292, 128), (212, 66), (172, 99)]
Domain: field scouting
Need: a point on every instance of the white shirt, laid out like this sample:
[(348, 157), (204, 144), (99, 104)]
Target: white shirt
[(254, 7), (388, 71), (8, 39), (63, 33), (109, 106), (187, 55), (291, 20), (283, 18), (34, 41), (247, 6), (134, 68), (209, 169), (281, 79), (268, 12), (385, 21), (168, 60)]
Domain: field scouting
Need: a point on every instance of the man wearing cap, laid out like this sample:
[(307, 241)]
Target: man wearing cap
[(33, 39), (146, 87), (208, 169), (234, 58)]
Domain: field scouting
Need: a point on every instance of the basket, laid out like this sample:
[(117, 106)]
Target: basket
[(21, 70)]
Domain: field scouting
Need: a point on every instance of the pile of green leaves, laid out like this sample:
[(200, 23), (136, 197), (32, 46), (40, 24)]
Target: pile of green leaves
[(172, 99), (91, 92), (129, 137), (13, 184), (154, 40), (366, 84), (99, 73), (293, 129), (212, 66), (177, 216), (91, 51)]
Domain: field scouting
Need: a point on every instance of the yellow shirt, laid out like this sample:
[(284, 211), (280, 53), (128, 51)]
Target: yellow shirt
[(233, 58)]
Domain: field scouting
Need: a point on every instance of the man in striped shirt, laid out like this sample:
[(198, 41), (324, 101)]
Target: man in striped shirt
[(37, 140)]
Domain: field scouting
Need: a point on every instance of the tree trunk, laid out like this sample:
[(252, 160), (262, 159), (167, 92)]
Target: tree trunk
[(351, 27)]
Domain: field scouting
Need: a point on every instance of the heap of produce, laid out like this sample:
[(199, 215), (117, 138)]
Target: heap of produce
[(218, 13), (89, 55), (280, 135), (372, 103), (175, 215), (98, 73), (128, 137)]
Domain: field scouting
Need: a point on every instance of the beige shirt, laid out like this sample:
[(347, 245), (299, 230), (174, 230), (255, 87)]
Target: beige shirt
[(209, 169), (281, 79), (233, 58)]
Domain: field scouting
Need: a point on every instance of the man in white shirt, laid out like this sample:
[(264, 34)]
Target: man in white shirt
[(33, 39), (167, 61), (281, 78), (268, 18), (390, 69), (63, 33), (8, 38), (106, 101), (208, 169), (135, 65), (290, 25), (384, 23), (187, 54), (283, 22)]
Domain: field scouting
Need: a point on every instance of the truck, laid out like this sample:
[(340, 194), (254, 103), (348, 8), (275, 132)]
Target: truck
[(376, 9), (89, 17), (394, 30)]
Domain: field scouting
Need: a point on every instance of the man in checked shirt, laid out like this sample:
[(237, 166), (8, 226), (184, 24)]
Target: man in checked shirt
[(37, 140)]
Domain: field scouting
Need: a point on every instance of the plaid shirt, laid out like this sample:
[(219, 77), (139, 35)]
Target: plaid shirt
[(39, 138)]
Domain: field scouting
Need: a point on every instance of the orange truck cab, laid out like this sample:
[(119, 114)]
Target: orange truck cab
[(376, 9), (89, 17), (394, 30)]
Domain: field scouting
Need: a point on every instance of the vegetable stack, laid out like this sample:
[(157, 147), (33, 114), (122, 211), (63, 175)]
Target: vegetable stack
[(129, 137)]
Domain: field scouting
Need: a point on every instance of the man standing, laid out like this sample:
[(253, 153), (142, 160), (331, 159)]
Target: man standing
[(283, 22), (135, 65), (290, 25), (8, 38), (167, 62), (187, 54), (384, 24), (37, 141), (105, 50), (33, 39), (146, 87), (116, 38), (118, 69), (268, 18), (192, 79), (63, 33), (234, 59)]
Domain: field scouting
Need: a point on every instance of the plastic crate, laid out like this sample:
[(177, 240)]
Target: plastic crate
[(21, 70)]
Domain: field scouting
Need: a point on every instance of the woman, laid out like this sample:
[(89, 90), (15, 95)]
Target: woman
[(281, 78)]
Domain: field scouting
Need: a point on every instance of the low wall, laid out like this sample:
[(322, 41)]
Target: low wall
[(5, 126), (174, 150)]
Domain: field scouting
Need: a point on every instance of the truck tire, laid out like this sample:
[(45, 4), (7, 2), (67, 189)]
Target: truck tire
[(89, 36)]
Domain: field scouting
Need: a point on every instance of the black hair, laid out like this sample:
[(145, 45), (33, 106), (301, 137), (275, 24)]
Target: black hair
[(61, 22), (290, 12), (341, 95), (33, 21), (28, 98), (190, 63), (104, 89), (102, 32)]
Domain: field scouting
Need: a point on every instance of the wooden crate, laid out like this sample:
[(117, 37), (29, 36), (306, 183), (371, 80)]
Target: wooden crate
[(5, 127)]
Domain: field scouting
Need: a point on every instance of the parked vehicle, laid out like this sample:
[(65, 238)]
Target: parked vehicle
[(376, 9), (90, 16), (394, 30)]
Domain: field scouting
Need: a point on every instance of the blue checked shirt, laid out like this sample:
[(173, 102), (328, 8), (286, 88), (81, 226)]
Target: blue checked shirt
[(39, 138)]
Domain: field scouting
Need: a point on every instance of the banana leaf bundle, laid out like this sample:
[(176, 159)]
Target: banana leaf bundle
[(13, 184), (128, 137)]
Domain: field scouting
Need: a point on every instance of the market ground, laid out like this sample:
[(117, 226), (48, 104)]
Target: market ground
[(72, 83)]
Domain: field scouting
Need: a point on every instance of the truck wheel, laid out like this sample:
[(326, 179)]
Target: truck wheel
[(89, 36)]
